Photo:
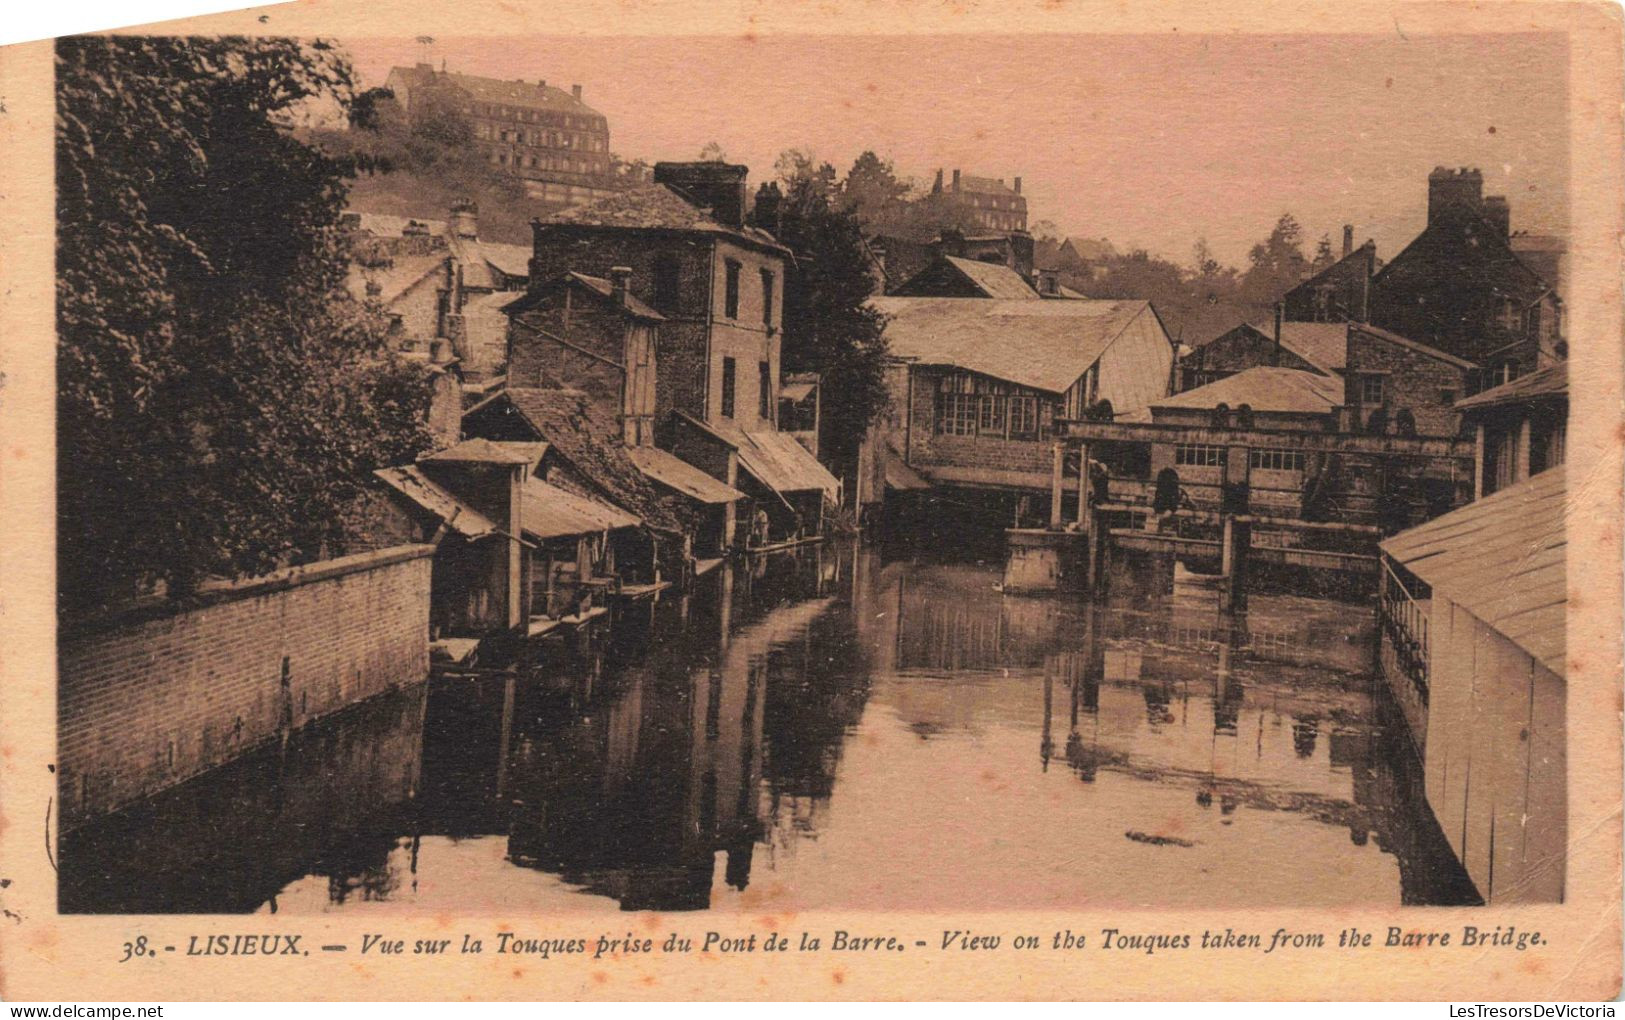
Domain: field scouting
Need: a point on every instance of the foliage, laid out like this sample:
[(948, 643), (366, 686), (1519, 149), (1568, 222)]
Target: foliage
[(221, 398), (829, 328)]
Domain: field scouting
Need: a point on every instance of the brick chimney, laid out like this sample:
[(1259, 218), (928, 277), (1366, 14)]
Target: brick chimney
[(619, 277), (1348, 239), (1018, 185), (938, 185), (575, 90), (956, 182), (717, 186), (465, 220), (1499, 214), (1447, 188)]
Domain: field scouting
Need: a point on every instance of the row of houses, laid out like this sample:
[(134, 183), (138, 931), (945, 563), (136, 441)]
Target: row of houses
[(986, 361), (607, 401)]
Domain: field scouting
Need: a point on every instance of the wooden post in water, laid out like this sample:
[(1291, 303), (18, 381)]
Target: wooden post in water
[(1055, 486), (1238, 537)]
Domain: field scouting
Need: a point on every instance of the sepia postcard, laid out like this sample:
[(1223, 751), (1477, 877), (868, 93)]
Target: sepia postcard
[(899, 500)]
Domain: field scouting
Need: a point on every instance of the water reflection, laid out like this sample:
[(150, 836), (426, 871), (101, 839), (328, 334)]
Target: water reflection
[(829, 730)]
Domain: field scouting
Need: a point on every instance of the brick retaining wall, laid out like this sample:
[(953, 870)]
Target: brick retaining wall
[(151, 697)]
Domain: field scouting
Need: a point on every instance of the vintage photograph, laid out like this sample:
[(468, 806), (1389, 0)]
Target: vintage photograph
[(577, 474)]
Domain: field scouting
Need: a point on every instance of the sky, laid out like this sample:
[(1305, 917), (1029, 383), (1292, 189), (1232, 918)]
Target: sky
[(1151, 141)]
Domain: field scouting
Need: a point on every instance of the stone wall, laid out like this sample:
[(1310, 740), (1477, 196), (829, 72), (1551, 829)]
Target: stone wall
[(152, 697), (1425, 384)]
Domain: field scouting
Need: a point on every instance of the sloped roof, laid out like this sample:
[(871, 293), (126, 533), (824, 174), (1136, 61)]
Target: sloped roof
[(779, 462), (681, 476), (1045, 345), (591, 441), (533, 95), (994, 280), (1501, 558), (596, 286), (547, 511), (392, 280), (410, 481), (606, 290), (1323, 344), (1091, 249), (1282, 390), (984, 185), (650, 206), (1407, 342), (1552, 381), (476, 451)]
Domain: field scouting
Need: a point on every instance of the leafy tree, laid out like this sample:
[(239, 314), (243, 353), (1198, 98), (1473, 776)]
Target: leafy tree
[(1277, 263), (1323, 254), (872, 189), (712, 151), (828, 326), (221, 398)]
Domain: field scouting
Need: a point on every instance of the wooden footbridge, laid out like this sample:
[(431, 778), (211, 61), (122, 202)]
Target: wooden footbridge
[(1070, 553)]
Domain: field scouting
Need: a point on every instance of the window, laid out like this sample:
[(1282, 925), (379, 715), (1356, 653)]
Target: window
[(667, 272), (731, 290), (764, 390), (1198, 455), (958, 414), (1023, 417), (1371, 389), (727, 387), (990, 416), (1510, 315), (767, 299), (1447, 396), (1276, 460)]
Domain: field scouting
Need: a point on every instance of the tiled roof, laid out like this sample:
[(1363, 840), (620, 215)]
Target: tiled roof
[(392, 280), (1502, 559), (1282, 390), (653, 207), (994, 280), (779, 462), (590, 440), (983, 185), (533, 95), (547, 511), (476, 451), (1552, 381), (1414, 345), (1324, 345), (682, 476), (1045, 345), (412, 483)]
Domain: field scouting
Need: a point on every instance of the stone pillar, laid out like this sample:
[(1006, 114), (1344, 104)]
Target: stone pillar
[(1056, 471)]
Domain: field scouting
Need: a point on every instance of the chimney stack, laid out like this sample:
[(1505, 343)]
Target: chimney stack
[(1348, 239), (437, 352), (619, 277), (938, 185), (956, 182), (1447, 188), (1018, 185), (575, 90), (1499, 214), (465, 221), (541, 83)]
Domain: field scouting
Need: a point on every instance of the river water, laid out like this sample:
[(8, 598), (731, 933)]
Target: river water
[(831, 730)]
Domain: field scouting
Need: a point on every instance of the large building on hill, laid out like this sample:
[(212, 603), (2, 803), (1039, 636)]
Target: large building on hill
[(991, 204), (537, 131)]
